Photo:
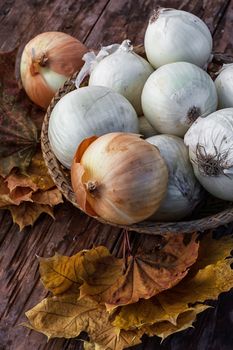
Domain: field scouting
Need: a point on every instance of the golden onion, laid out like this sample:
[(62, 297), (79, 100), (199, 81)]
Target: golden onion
[(119, 177)]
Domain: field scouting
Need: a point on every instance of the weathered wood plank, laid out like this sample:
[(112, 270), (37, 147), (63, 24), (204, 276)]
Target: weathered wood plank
[(24, 19), (223, 38), (97, 23), (122, 20)]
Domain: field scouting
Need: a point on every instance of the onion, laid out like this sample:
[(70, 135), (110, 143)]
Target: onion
[(48, 60), (184, 192), (119, 68), (119, 177), (224, 86), (175, 95), (210, 143), (91, 110), (175, 36)]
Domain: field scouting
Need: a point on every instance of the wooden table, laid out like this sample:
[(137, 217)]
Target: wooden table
[(94, 23)]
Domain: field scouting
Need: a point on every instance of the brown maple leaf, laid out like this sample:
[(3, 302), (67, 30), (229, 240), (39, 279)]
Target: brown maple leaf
[(149, 272), (18, 133), (176, 309), (26, 213)]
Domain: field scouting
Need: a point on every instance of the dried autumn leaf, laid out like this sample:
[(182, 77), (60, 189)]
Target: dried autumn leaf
[(27, 213), (148, 273), (197, 287), (11, 92), (50, 197), (66, 316), (18, 135), (60, 273), (184, 321), (38, 173), (18, 132), (16, 196)]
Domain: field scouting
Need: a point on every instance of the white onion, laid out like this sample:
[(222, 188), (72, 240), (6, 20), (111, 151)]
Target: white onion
[(210, 142), (175, 95), (175, 36), (184, 191), (121, 69), (224, 86), (92, 110)]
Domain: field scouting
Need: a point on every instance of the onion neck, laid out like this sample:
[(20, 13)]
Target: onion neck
[(192, 114), (92, 188), (210, 164), (38, 61)]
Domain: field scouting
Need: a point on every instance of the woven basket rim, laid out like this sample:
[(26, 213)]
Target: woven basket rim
[(63, 183)]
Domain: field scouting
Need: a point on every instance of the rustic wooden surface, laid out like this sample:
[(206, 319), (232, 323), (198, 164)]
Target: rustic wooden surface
[(93, 22)]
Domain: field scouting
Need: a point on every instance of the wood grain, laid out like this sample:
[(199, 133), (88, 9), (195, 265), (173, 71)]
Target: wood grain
[(96, 23)]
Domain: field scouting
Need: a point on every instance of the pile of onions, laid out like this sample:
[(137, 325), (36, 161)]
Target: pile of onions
[(183, 192), (91, 110), (119, 177), (175, 36), (210, 143), (175, 95), (47, 61)]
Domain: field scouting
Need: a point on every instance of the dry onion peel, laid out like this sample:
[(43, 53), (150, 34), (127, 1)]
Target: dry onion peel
[(119, 184)]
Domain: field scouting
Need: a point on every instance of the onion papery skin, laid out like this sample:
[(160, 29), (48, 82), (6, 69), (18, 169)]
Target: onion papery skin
[(91, 110), (224, 86), (125, 72), (128, 175), (184, 191), (47, 61), (175, 36), (210, 142), (175, 95)]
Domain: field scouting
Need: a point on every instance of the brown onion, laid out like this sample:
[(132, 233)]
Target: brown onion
[(48, 60), (119, 177)]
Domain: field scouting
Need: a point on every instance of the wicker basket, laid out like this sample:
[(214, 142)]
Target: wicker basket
[(209, 215)]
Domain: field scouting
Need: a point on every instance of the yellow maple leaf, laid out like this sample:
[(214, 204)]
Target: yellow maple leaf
[(60, 273), (66, 316), (184, 320)]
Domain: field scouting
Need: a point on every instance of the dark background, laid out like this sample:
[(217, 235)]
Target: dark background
[(94, 23)]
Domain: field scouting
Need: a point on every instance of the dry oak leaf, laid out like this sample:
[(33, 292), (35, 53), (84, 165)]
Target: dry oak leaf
[(66, 316), (61, 273), (197, 287), (27, 213), (148, 273)]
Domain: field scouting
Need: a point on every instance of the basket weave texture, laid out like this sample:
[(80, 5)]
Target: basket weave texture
[(211, 214)]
